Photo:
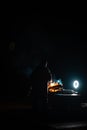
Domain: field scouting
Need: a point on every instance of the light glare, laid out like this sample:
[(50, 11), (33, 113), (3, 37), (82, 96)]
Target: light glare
[(76, 84)]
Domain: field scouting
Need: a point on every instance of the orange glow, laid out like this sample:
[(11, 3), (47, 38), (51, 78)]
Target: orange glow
[(55, 90), (54, 86)]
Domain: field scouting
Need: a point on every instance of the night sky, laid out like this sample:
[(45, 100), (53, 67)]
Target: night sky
[(29, 38)]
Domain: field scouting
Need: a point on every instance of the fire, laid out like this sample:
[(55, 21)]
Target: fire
[(54, 86)]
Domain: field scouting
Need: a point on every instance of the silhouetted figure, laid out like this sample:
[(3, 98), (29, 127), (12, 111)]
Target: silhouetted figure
[(40, 76)]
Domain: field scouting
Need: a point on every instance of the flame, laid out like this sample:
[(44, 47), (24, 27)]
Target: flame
[(54, 86)]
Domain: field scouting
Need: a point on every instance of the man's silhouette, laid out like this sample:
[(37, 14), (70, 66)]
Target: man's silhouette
[(40, 76)]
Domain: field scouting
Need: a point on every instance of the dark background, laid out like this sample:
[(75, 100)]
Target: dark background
[(26, 39)]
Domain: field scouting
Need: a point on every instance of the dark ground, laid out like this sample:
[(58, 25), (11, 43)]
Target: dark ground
[(66, 116)]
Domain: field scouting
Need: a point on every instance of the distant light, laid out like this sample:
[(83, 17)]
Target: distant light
[(76, 84)]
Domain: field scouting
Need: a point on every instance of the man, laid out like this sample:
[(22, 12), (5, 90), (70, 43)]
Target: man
[(39, 78)]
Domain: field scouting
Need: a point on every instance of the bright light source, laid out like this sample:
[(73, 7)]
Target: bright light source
[(75, 84)]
